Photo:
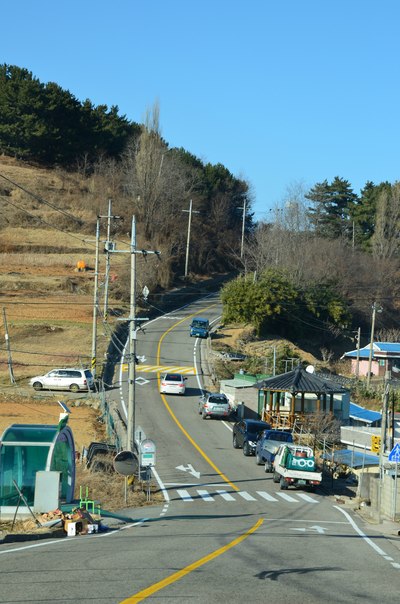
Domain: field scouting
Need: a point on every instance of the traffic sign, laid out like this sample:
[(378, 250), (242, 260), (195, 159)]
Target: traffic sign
[(375, 443), (394, 454)]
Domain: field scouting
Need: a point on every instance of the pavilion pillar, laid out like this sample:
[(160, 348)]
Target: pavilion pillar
[(292, 410)]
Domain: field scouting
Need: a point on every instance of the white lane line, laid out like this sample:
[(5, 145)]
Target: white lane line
[(225, 495), (74, 541), (364, 536), (266, 496), (227, 425), (307, 498), (184, 494), (287, 497), (247, 496), (160, 484), (205, 495)]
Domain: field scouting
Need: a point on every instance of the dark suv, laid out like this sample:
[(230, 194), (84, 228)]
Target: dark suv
[(245, 434)]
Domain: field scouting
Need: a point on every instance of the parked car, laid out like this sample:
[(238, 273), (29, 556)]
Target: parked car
[(214, 405), (267, 445), (173, 383), (245, 433), (64, 379)]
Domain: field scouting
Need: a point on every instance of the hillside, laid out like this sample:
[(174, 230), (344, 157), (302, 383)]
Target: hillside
[(48, 304)]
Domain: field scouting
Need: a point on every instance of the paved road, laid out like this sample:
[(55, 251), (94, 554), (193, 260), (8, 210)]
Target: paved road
[(225, 531)]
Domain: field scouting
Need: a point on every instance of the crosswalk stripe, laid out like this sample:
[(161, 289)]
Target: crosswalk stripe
[(288, 497), (307, 498), (184, 494), (226, 495), (266, 496), (205, 495), (162, 369), (247, 496)]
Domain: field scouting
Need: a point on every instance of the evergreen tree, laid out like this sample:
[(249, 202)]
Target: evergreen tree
[(363, 212), (331, 209)]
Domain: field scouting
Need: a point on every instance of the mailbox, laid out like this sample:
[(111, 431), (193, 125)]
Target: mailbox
[(147, 453)]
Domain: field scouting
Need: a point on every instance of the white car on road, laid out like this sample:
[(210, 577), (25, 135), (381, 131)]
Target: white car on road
[(173, 383)]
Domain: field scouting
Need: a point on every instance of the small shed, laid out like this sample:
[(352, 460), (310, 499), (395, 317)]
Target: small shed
[(287, 398), (359, 416), (240, 391)]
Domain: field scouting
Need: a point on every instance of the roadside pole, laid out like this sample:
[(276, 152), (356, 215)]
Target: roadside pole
[(96, 299), (133, 320), (383, 442), (9, 357)]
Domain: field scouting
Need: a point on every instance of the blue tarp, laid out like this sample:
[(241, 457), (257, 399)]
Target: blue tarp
[(364, 415), (353, 459)]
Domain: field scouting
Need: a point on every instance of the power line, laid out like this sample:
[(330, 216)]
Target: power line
[(38, 198), (44, 222)]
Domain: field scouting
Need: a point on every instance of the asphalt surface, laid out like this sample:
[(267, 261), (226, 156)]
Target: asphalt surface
[(225, 529)]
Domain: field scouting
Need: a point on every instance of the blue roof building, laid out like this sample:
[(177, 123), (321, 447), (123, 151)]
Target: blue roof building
[(385, 357)]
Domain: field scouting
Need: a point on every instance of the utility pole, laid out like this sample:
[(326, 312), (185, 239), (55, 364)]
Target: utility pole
[(358, 336), (243, 225), (133, 319), (9, 358), (107, 249), (95, 298), (130, 438), (383, 439), (375, 308), (188, 235)]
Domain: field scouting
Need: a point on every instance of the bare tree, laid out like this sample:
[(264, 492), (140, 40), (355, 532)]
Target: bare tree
[(386, 241)]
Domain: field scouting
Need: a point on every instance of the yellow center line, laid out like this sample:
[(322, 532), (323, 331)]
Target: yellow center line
[(149, 591), (178, 423)]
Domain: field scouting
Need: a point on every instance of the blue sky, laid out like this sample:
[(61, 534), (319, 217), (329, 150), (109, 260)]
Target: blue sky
[(279, 92)]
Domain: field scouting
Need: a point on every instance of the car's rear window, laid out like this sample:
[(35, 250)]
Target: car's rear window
[(219, 400), (173, 377)]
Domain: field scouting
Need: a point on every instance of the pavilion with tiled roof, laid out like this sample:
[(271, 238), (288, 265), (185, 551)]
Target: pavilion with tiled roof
[(288, 397)]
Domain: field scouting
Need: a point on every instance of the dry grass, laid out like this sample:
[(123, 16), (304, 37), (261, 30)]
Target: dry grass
[(109, 490)]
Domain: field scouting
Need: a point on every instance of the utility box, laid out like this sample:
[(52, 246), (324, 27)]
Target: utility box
[(47, 491), (147, 450)]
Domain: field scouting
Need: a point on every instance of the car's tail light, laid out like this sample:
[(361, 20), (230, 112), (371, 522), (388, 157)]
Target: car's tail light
[(84, 382)]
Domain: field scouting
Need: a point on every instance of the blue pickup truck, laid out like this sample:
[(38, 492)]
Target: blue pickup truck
[(268, 444), (199, 328)]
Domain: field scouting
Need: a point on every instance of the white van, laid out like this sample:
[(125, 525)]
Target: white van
[(64, 379)]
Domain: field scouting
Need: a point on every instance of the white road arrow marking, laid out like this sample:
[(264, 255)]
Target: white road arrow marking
[(189, 468), (319, 529)]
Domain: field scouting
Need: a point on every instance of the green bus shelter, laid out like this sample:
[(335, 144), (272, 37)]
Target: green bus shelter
[(28, 448)]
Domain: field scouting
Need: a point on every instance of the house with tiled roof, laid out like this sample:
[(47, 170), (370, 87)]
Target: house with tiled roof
[(385, 357)]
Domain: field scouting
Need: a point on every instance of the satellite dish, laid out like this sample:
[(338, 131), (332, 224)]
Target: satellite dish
[(310, 369)]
